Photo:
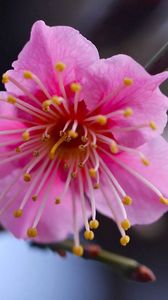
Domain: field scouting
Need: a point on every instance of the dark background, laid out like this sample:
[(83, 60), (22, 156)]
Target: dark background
[(135, 27)]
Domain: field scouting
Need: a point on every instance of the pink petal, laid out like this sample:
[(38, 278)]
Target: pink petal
[(105, 78), (46, 47), (56, 222), (146, 207)]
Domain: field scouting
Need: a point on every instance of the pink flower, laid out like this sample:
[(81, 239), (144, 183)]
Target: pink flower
[(84, 134)]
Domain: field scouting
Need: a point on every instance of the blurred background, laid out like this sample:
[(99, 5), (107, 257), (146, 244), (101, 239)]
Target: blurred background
[(134, 27)]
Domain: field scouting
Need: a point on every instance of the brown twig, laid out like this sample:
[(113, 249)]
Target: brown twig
[(127, 267)]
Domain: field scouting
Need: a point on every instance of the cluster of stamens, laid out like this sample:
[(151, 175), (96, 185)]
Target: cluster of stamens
[(55, 138)]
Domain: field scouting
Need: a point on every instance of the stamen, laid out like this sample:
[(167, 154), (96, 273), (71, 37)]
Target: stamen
[(67, 183), (32, 232), (27, 195), (56, 102), (112, 143), (55, 147), (128, 81), (91, 194), (26, 105), (77, 248), (18, 213), (94, 224), (125, 224), (17, 119), (45, 197), (72, 133), (26, 136), (151, 125), (100, 119), (17, 156), (83, 204), (124, 240), (45, 176), (144, 160), (138, 176), (37, 160), (60, 67), (30, 75), (23, 89), (128, 112), (76, 88), (89, 235), (5, 78), (94, 138), (84, 138), (114, 215), (126, 199), (27, 177)]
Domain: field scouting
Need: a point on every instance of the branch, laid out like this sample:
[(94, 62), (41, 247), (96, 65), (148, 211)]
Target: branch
[(126, 267), (159, 61)]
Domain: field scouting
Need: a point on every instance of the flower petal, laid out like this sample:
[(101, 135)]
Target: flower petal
[(146, 207), (56, 222), (105, 78), (46, 47)]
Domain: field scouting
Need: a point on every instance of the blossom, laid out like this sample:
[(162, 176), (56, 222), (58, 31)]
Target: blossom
[(79, 134)]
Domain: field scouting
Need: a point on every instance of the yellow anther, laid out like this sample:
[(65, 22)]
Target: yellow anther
[(66, 166), (128, 81), (102, 120), (75, 87), (5, 78), (32, 232), (80, 164), (27, 177), (57, 200), (125, 224), (18, 213), (92, 172), (27, 75), (96, 186), (78, 250), (36, 153), (55, 147), (164, 200), (145, 161), (93, 145), (11, 99), (46, 105), (89, 235), (128, 112), (45, 138), (84, 139), (127, 200), (94, 224), (60, 66), (82, 148), (73, 134), (57, 100), (114, 147), (73, 174), (124, 240), (26, 136), (152, 125), (18, 150), (34, 197)]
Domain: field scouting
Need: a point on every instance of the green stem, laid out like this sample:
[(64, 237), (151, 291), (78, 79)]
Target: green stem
[(129, 268), (159, 61)]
